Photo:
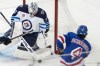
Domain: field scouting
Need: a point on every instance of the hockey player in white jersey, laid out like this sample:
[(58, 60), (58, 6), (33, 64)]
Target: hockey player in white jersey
[(77, 48), (34, 20)]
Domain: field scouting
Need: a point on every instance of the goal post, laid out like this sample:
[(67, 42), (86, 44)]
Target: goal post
[(55, 25), (24, 2), (70, 24)]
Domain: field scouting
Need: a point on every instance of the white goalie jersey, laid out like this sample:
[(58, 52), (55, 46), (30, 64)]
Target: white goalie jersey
[(37, 23), (31, 24)]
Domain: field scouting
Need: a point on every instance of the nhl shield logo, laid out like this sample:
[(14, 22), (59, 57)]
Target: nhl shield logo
[(23, 15)]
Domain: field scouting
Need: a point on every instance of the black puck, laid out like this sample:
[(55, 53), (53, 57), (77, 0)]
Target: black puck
[(51, 53), (39, 61)]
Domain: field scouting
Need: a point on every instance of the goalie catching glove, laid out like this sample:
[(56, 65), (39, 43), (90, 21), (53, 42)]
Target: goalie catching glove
[(5, 40)]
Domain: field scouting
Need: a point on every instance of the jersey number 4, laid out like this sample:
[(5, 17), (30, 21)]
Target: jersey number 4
[(76, 52)]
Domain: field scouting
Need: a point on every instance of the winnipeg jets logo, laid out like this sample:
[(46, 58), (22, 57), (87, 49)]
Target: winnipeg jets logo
[(27, 25)]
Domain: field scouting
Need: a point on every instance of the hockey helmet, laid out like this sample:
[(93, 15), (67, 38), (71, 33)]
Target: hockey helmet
[(82, 30), (33, 8)]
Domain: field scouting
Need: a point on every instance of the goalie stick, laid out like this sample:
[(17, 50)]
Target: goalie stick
[(30, 50), (10, 26)]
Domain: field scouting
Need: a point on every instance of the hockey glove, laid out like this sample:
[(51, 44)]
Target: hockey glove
[(5, 40), (60, 51)]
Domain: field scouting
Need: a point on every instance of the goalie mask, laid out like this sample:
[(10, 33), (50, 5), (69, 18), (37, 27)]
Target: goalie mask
[(33, 8)]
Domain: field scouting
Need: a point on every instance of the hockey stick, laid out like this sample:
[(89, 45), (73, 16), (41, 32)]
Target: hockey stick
[(57, 56), (10, 26), (19, 35), (5, 18)]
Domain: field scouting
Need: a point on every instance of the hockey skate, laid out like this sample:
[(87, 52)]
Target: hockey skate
[(35, 48)]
